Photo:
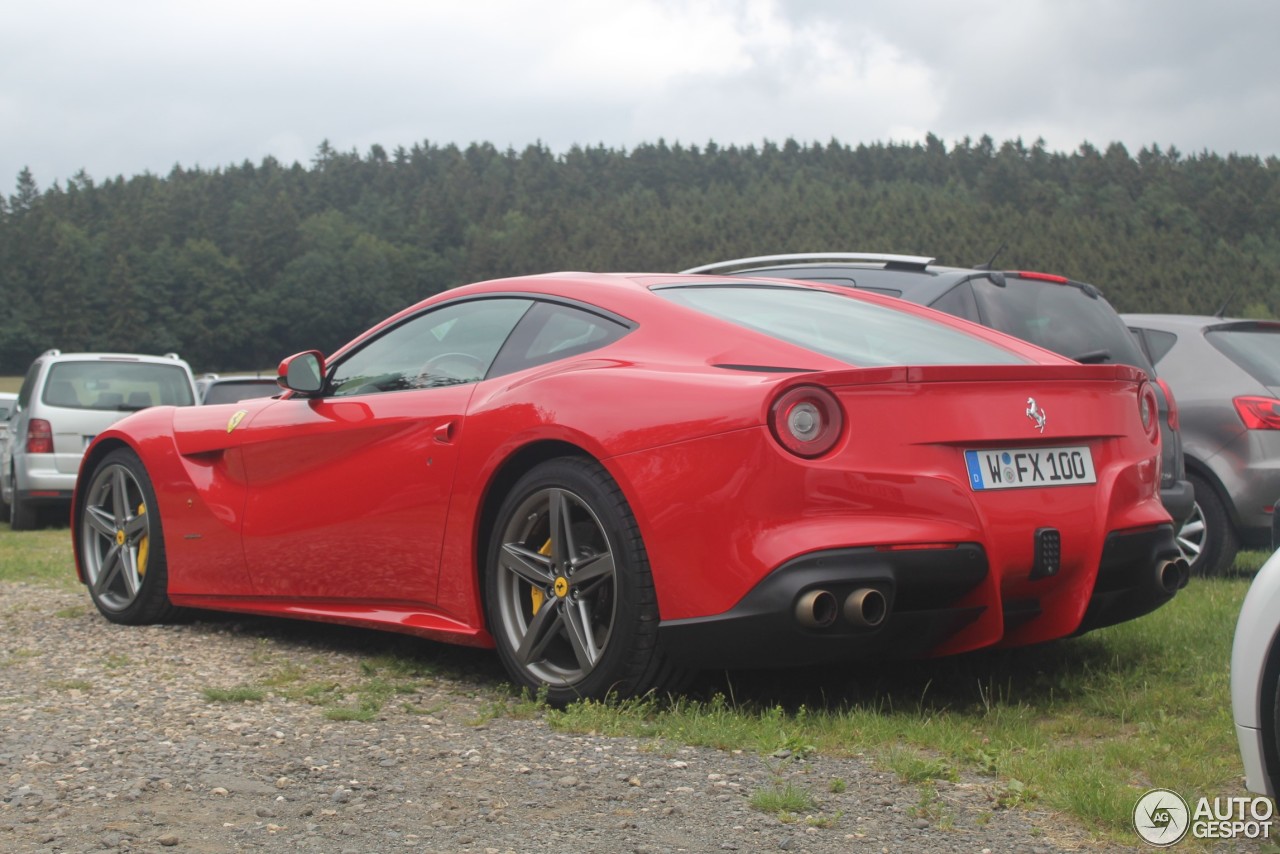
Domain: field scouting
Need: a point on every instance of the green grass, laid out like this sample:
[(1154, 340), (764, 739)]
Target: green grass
[(42, 556), (783, 800), (238, 694), (10, 384), (1081, 726)]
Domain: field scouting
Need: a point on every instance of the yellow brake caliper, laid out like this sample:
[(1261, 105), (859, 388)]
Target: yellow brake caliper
[(143, 545), (535, 592)]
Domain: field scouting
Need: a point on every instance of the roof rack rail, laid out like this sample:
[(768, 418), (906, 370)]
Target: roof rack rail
[(919, 261)]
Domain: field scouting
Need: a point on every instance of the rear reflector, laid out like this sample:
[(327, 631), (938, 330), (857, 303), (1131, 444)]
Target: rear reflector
[(1042, 277)]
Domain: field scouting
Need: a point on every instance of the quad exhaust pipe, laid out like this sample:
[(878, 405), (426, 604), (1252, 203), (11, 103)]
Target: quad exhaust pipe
[(1172, 575), (865, 608), (817, 609)]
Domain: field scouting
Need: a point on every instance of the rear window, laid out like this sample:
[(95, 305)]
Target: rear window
[(854, 331), (1254, 347), (116, 385), (1061, 318)]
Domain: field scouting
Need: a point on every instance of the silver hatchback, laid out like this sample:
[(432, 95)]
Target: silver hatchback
[(1225, 374), (66, 399)]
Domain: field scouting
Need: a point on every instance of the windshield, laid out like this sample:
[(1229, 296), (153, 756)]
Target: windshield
[(116, 385), (1059, 317), (855, 331)]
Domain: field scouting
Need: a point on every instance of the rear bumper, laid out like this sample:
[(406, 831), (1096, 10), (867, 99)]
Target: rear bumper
[(37, 473), (43, 495), (1139, 572), (931, 596), (922, 592)]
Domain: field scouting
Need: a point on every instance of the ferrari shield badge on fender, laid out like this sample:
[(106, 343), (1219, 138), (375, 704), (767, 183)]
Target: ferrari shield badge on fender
[(234, 421), (1036, 414)]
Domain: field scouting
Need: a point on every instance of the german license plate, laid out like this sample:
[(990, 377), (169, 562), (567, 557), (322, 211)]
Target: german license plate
[(1012, 468)]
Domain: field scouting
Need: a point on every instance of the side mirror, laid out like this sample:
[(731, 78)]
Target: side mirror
[(302, 372)]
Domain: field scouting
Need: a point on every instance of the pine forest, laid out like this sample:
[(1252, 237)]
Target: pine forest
[(236, 267)]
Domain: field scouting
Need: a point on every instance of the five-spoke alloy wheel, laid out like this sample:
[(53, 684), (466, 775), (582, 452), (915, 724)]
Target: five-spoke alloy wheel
[(121, 549), (569, 594), (1207, 539)]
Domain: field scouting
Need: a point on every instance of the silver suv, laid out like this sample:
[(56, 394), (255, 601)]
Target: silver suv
[(66, 399)]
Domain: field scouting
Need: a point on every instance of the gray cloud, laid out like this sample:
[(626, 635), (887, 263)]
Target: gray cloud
[(145, 85)]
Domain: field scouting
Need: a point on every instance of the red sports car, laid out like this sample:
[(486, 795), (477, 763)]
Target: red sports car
[(618, 479)]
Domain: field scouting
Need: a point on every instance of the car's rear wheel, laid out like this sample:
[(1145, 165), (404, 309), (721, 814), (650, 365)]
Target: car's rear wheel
[(569, 594), (122, 556), (1207, 539), (23, 515)]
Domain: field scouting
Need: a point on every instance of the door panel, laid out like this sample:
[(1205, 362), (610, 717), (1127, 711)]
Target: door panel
[(348, 496)]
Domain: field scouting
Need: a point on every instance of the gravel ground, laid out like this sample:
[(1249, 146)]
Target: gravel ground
[(108, 741)]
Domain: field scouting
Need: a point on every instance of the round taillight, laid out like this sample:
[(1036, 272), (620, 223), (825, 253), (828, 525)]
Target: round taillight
[(806, 420), (1149, 409)]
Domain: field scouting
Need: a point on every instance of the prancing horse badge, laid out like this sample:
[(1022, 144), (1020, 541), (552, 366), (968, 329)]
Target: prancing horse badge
[(1036, 414)]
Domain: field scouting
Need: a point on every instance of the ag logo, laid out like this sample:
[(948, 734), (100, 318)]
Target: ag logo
[(1161, 817)]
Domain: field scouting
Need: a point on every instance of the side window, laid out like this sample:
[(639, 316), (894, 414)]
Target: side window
[(960, 302), (450, 345), (28, 386), (552, 331), (1159, 343)]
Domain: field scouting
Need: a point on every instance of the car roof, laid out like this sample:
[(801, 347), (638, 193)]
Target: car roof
[(58, 356), (631, 296), (915, 277), (904, 262)]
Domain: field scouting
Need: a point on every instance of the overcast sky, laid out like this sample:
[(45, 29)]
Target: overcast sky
[(122, 87)]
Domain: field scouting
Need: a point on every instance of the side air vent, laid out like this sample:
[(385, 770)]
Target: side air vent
[(765, 369)]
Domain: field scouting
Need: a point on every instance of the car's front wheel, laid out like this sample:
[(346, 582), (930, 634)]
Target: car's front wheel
[(122, 556), (1207, 539), (569, 594)]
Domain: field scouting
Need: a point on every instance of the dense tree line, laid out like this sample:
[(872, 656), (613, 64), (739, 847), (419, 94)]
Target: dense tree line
[(236, 267)]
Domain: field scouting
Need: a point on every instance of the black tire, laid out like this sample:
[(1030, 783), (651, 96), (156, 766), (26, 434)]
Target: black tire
[(121, 554), (568, 591), (1208, 539), (23, 513)]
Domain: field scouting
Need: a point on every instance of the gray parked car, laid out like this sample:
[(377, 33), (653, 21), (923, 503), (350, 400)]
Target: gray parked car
[(1226, 376), (1068, 317), (211, 388), (66, 399), (7, 403)]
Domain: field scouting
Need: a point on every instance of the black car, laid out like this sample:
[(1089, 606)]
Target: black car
[(1068, 317)]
